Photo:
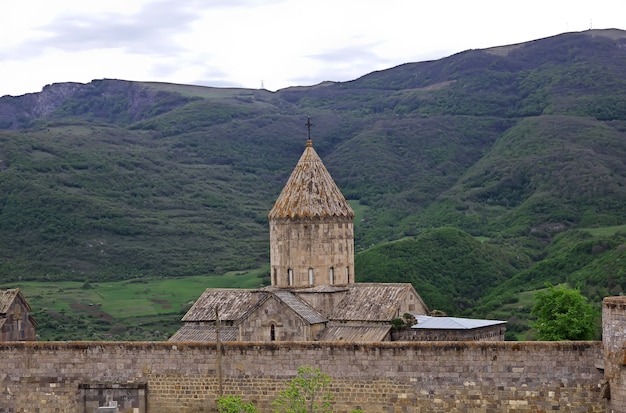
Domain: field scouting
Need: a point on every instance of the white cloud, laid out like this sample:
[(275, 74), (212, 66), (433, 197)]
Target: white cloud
[(245, 42)]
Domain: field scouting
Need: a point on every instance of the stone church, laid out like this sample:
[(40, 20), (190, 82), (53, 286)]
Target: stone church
[(16, 323), (313, 295)]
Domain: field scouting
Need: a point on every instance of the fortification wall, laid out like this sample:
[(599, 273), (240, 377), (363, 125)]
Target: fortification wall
[(489, 333), (384, 377), (614, 339)]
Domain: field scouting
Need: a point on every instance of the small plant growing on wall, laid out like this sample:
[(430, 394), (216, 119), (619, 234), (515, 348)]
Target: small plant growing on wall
[(306, 393), (404, 323), (234, 404)]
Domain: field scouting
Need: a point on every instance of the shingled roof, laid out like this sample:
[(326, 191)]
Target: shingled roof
[(232, 304), (310, 191), (372, 302), (308, 313), (355, 334), (7, 297), (190, 332)]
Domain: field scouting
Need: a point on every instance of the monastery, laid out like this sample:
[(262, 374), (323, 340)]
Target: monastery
[(313, 295)]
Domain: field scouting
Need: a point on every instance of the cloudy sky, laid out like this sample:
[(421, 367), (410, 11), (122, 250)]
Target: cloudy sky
[(264, 43)]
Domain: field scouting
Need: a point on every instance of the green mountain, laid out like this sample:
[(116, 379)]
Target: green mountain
[(489, 166)]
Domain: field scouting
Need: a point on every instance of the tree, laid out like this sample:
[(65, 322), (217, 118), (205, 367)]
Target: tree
[(407, 321), (563, 314), (234, 404), (306, 393)]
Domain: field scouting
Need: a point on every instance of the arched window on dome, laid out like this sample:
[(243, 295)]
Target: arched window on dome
[(310, 276), (289, 276), (331, 275)]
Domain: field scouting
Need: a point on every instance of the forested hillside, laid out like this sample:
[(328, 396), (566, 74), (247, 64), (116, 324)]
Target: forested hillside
[(477, 177)]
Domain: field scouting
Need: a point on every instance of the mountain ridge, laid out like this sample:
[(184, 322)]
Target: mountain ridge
[(118, 180)]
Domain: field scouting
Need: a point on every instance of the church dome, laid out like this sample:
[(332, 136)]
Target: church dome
[(310, 192)]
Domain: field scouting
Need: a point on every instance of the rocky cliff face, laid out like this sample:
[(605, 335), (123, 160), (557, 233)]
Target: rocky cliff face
[(50, 98), (132, 100), (19, 111)]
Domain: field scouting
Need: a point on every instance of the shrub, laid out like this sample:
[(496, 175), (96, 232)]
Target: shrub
[(306, 393), (234, 404)]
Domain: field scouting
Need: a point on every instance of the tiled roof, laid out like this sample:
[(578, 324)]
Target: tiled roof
[(322, 289), (190, 332), (308, 313), (310, 191), (232, 304), (367, 308), (451, 323), (351, 333), (371, 302), (6, 298)]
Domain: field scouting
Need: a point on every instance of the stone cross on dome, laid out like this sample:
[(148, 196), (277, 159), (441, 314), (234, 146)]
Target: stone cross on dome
[(308, 126)]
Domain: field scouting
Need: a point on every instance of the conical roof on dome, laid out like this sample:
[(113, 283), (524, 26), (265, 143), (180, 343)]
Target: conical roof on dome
[(310, 191)]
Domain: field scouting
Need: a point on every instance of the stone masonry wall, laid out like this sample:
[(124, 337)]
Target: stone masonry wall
[(287, 326), (319, 244), (489, 333), (46, 377), (614, 339)]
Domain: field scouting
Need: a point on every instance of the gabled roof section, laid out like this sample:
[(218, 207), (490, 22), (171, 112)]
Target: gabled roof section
[(371, 302), (191, 332), (310, 191), (321, 289), (232, 304), (425, 322), (308, 313), (8, 296), (355, 334)]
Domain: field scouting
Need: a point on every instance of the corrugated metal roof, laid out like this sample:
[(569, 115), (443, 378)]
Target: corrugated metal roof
[(310, 191), (371, 302), (351, 333), (6, 298), (308, 313), (190, 332), (451, 323), (232, 304)]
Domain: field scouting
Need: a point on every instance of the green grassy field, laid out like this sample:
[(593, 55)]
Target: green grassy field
[(606, 231), (131, 298), (128, 309), (359, 210)]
